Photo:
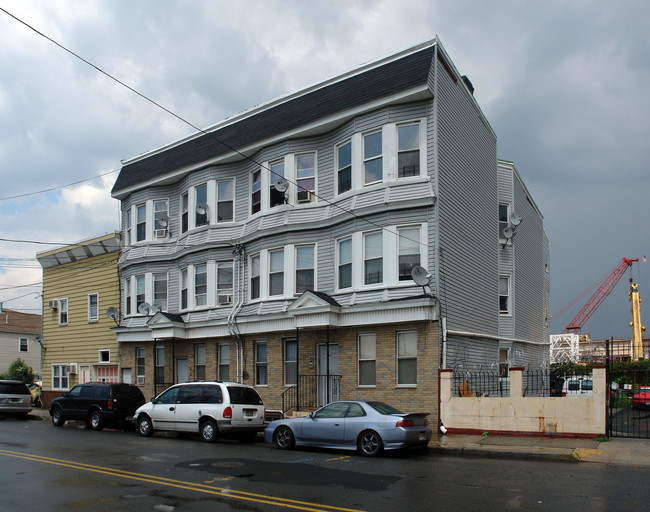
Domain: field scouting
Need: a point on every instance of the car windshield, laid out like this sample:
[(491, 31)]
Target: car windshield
[(383, 408), (243, 395)]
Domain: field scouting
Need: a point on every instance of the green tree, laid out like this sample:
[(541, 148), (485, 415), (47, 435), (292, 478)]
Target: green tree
[(18, 370)]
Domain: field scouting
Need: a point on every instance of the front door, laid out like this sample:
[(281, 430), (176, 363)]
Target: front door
[(182, 373), (328, 387)]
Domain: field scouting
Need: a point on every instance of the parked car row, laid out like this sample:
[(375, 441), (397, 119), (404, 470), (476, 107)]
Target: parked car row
[(212, 409)]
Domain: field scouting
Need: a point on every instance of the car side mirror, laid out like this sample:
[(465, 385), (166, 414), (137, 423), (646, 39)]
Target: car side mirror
[(311, 415), (65, 395)]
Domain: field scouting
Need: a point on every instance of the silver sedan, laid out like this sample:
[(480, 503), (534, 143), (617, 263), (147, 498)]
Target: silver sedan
[(369, 427)]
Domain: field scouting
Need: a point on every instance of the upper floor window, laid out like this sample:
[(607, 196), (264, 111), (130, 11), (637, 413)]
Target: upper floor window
[(304, 268), (139, 292), (276, 197), (256, 191), (224, 283), (345, 263), (129, 234), (93, 307), (503, 219), (409, 251), (63, 311), (344, 166), (408, 150), (160, 218), (141, 222), (183, 278), (185, 206), (276, 272), (255, 277), (160, 290), (202, 216), (373, 258), (225, 196), (372, 158), (200, 285), (306, 177), (23, 345), (504, 295), (127, 296)]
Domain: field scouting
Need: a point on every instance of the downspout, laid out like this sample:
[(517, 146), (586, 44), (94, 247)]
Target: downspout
[(327, 364), (238, 287)]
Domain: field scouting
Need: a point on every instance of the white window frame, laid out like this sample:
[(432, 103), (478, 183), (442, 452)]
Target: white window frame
[(200, 299), (380, 235), (223, 200), (200, 356), (128, 298), (157, 278), (312, 268), (104, 356), (340, 264), (508, 295), (206, 203), (276, 171), (339, 169), (418, 148), (364, 358), (93, 316), (224, 293), (140, 298), (255, 274), (183, 286), (140, 369), (372, 158), (141, 221), (129, 233), (184, 209), (402, 356), (277, 272), (23, 342), (305, 194), (408, 240), (261, 380), (256, 188), (290, 365), (62, 380), (160, 218), (223, 363), (64, 318), (503, 223)]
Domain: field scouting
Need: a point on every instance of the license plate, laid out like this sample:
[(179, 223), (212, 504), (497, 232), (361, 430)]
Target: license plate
[(422, 436), (249, 412)]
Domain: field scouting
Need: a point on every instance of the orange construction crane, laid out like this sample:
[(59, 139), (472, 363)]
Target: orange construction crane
[(599, 296)]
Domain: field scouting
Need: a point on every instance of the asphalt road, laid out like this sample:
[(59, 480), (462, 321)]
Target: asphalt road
[(47, 468)]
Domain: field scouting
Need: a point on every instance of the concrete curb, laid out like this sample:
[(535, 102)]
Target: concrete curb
[(521, 453)]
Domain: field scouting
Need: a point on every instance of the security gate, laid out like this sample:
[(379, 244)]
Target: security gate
[(628, 405)]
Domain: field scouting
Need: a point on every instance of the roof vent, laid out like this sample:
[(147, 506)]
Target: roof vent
[(468, 84)]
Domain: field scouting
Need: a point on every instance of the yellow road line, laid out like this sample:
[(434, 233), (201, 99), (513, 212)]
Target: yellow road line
[(180, 484)]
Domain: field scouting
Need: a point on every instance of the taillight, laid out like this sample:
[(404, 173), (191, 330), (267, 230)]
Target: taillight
[(404, 423), (227, 412), (110, 404), (563, 393)]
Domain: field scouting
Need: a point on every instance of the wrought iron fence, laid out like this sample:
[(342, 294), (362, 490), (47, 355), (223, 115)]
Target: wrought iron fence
[(480, 383)]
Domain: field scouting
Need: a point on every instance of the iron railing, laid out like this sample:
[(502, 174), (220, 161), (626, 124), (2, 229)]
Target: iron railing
[(311, 391)]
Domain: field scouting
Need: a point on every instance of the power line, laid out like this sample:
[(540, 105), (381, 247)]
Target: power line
[(204, 132), (57, 188)]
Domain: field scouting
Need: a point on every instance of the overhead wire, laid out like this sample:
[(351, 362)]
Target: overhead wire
[(59, 187), (202, 131)]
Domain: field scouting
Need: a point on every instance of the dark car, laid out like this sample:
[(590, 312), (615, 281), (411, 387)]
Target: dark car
[(99, 404), (15, 397)]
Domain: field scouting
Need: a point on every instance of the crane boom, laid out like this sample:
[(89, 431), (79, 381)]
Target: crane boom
[(599, 296)]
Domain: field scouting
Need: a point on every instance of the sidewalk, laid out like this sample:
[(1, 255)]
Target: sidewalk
[(614, 451)]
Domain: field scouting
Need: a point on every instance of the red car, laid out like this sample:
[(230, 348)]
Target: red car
[(641, 398)]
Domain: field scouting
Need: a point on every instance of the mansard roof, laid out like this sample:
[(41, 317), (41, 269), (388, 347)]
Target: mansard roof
[(391, 76)]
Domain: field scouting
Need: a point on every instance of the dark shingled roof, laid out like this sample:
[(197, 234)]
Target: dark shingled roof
[(384, 80)]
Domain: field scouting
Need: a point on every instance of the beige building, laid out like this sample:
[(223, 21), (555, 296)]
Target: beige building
[(80, 282), (18, 339)]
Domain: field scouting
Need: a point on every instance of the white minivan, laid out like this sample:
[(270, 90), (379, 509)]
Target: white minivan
[(578, 386), (209, 408)]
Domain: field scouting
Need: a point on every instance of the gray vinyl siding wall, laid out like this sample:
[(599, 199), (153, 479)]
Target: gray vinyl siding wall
[(529, 275), (467, 207)]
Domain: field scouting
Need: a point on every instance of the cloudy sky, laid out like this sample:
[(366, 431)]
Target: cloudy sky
[(564, 85)]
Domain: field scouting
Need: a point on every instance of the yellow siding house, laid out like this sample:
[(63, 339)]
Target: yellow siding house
[(80, 282)]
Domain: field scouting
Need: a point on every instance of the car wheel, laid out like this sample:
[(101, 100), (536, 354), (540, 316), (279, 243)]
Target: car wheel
[(145, 427), (57, 417), (284, 438), (369, 443), (209, 431), (95, 421)]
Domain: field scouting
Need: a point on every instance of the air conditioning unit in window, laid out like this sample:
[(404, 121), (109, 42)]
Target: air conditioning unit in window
[(54, 304), (160, 233), (225, 299), (140, 380), (72, 368), (304, 196)]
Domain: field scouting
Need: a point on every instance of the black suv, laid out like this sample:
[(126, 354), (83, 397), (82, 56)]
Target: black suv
[(99, 404)]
